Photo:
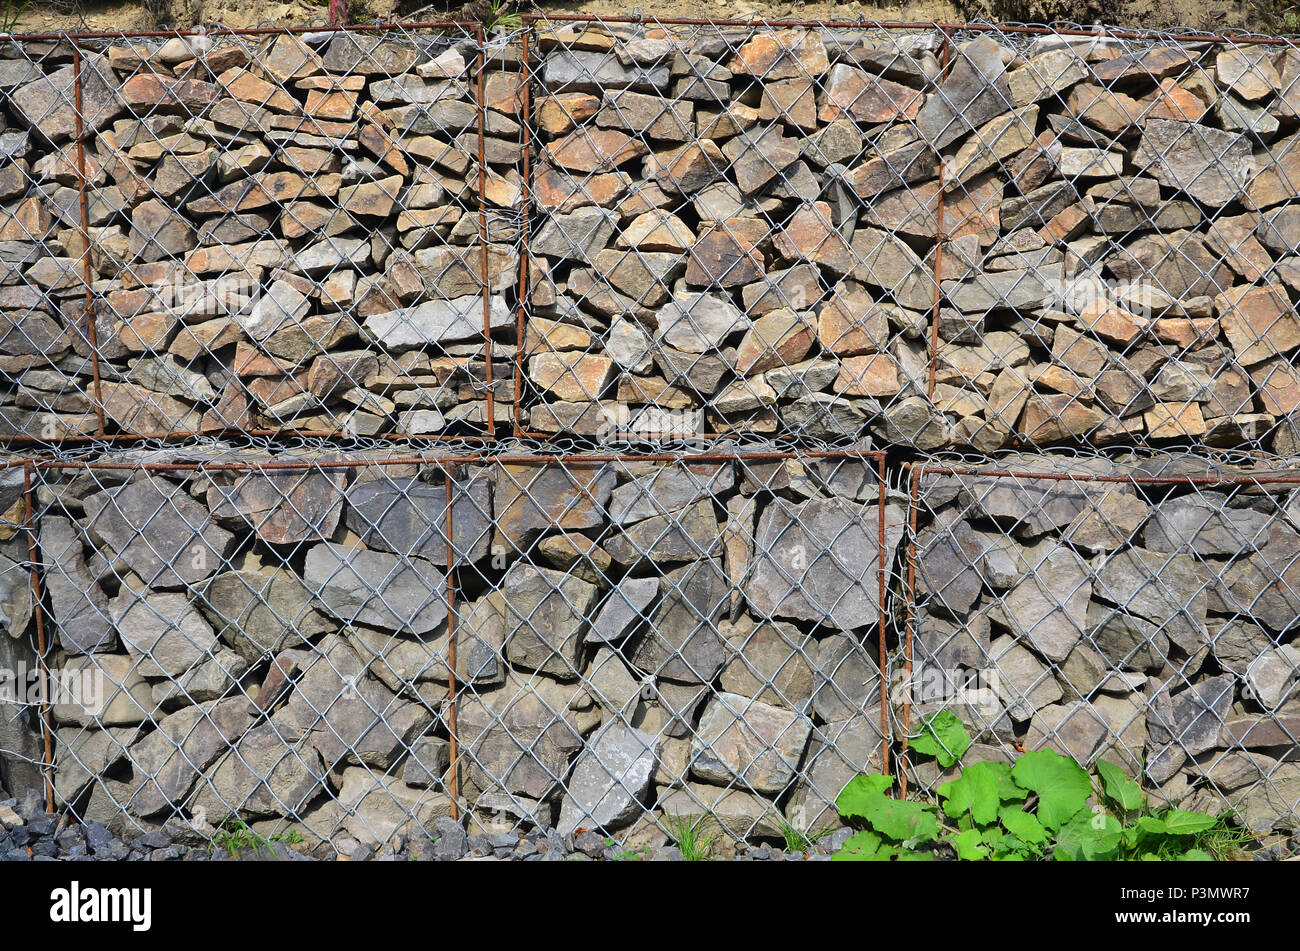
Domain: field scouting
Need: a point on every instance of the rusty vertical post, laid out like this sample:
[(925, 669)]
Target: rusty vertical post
[(525, 219), (940, 239), (448, 470), (884, 679), (913, 502), (88, 313), (33, 556), (480, 40)]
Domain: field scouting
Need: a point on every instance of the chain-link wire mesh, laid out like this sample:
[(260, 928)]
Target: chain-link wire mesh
[(287, 232), (1141, 611), (905, 239), (620, 641), (944, 237)]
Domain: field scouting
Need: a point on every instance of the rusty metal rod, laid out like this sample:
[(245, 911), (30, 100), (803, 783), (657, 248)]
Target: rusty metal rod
[(88, 311), (448, 472), (882, 554), (480, 40), (909, 621), (940, 239), (1014, 28), (33, 556)]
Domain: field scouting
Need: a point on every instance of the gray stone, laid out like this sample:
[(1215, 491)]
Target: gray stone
[(1271, 675), (1049, 605), (428, 763), (1186, 724), (769, 661), (49, 103), (1205, 524), (608, 781), (682, 642), (79, 604), (546, 616), (408, 516), (1212, 166), (819, 561), (1166, 589), (110, 692), (379, 807), (623, 609), (519, 737), (437, 322), (948, 561), (1024, 683), (838, 752), (374, 587), (847, 679), (1075, 730), (158, 531), (350, 717), (611, 684), (262, 776), (698, 323), (746, 741), (261, 610), (1127, 642), (284, 507), (165, 632)]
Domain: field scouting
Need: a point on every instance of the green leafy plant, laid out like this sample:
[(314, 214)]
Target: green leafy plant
[(235, 837), (1043, 806), (688, 834), (502, 15)]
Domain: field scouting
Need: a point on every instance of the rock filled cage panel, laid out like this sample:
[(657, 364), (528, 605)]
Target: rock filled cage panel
[(288, 233), (954, 238), (620, 643), (1141, 611), (938, 238)]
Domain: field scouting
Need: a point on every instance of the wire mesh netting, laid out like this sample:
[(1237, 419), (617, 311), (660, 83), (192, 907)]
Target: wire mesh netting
[(569, 251), (1140, 611), (619, 642), (286, 232), (942, 237)]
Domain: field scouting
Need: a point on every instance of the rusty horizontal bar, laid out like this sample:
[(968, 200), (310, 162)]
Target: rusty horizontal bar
[(1014, 28), (241, 31), (453, 460), (1262, 478)]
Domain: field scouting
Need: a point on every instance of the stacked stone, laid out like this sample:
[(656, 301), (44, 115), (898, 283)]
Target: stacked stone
[(284, 234), (1149, 623), (741, 230), (633, 642)]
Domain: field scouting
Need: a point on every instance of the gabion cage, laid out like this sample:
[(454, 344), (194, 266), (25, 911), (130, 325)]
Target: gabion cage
[(613, 423)]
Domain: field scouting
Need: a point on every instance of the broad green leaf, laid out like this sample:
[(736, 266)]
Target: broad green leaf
[(1023, 825), (1119, 789), (858, 790), (968, 845), (1196, 855), (1183, 822), (1062, 786), (943, 737), (864, 847), (1152, 825), (899, 819), (976, 791), (1088, 836), (915, 857)]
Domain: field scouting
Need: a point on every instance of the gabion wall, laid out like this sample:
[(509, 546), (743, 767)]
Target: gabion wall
[(611, 423)]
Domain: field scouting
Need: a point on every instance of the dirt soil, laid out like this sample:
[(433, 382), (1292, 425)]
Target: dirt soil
[(93, 15)]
